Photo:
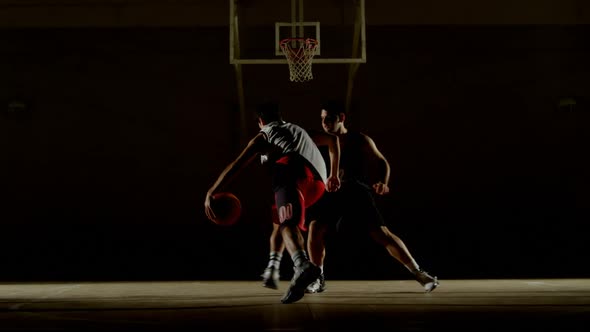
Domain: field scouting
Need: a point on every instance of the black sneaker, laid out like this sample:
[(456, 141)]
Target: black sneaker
[(302, 278), (426, 280), (270, 277), (318, 286)]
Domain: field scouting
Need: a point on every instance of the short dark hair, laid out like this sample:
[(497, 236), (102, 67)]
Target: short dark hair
[(333, 107), (269, 111)]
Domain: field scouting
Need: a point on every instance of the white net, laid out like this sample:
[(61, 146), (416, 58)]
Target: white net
[(299, 53)]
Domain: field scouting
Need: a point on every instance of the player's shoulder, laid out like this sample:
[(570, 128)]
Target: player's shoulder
[(357, 135), (359, 138), (297, 126)]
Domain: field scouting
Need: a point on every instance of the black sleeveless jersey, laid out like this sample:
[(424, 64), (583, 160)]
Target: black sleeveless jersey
[(353, 159)]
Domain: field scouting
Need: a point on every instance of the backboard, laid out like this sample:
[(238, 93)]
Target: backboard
[(256, 28)]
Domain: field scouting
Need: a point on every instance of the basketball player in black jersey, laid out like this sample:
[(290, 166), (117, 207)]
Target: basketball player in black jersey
[(354, 204)]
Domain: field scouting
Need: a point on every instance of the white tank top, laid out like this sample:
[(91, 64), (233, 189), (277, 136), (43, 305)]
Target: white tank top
[(289, 138)]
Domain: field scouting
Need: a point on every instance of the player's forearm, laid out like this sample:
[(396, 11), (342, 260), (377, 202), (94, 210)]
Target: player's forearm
[(386, 171), (229, 172), (334, 150), (234, 168)]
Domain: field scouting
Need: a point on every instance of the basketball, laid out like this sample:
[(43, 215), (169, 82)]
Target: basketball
[(226, 207)]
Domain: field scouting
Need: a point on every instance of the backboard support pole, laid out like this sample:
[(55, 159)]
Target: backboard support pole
[(358, 38), (235, 49)]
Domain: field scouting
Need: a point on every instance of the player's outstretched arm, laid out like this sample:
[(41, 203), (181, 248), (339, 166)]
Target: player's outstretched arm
[(381, 187), (333, 143), (244, 158)]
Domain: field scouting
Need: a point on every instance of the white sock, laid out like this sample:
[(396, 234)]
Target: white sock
[(275, 259), (413, 267)]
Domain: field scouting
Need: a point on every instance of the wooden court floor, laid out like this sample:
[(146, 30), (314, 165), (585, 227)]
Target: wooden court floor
[(395, 305)]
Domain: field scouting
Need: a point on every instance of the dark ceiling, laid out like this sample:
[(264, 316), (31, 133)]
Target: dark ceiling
[(113, 13)]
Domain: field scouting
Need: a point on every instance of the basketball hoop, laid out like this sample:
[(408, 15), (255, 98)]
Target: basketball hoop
[(299, 53)]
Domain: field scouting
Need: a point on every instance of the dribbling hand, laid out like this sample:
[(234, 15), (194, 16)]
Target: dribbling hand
[(208, 209)]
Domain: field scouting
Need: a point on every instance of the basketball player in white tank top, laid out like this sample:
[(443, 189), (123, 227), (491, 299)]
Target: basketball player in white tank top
[(299, 179)]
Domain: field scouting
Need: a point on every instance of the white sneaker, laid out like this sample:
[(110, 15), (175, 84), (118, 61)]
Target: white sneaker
[(270, 278), (429, 282)]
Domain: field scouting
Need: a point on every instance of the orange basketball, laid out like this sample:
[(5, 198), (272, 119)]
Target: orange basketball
[(226, 207)]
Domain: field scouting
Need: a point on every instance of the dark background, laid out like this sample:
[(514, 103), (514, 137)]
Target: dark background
[(130, 111)]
